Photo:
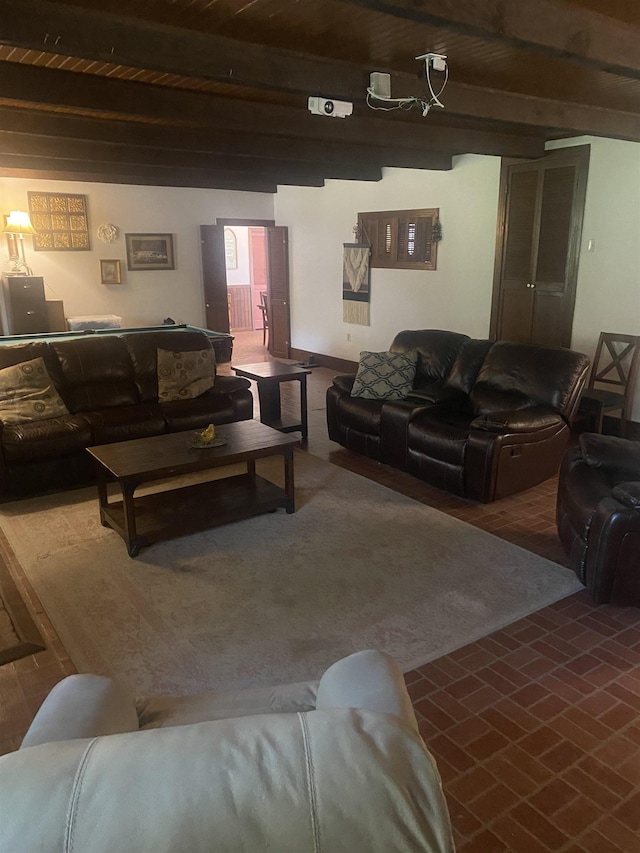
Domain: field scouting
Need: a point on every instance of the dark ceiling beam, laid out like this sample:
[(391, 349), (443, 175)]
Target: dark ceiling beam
[(106, 152), (71, 31), (116, 173), (231, 143), (35, 85), (557, 28), (171, 180)]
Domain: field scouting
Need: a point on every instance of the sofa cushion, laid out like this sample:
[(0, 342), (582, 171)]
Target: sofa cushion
[(209, 408), (28, 394), (122, 423), (436, 348), (184, 375), (50, 439), (96, 373), (385, 375)]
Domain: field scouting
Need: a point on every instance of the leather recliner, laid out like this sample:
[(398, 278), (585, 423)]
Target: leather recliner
[(598, 516), (333, 765), (484, 419)]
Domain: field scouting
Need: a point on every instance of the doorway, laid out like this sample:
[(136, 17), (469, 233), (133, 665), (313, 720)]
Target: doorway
[(242, 261)]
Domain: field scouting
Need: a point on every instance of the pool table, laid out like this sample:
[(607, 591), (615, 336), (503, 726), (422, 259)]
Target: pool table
[(222, 343)]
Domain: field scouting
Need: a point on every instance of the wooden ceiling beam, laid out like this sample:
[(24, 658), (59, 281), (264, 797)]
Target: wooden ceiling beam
[(44, 86), (224, 143), (106, 152), (557, 28), (133, 173), (174, 179), (81, 32)]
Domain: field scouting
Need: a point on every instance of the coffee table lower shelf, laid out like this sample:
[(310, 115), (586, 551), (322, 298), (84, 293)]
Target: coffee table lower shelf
[(190, 509)]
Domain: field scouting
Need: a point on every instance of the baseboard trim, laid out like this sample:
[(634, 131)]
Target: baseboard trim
[(340, 365)]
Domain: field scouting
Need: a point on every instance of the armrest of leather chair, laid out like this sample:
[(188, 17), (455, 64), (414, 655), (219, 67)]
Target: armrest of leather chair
[(230, 384), (83, 706), (345, 381), (619, 456), (518, 420), (369, 680), (628, 494)]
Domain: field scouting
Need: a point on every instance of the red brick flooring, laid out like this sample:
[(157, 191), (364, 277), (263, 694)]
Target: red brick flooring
[(535, 728)]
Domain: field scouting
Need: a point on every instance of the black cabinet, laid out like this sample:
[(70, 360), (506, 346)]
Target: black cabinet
[(26, 307)]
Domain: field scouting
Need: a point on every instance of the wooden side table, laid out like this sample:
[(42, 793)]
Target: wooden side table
[(268, 375)]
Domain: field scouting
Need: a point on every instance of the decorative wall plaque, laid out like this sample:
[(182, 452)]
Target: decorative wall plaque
[(60, 220)]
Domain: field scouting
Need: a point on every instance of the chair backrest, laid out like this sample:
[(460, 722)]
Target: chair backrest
[(615, 364)]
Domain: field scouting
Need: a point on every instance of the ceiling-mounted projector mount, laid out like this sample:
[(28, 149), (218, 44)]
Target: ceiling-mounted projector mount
[(379, 89)]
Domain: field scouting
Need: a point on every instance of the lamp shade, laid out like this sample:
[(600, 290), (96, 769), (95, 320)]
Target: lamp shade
[(18, 222)]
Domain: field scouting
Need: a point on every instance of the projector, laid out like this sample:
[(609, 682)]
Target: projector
[(325, 107)]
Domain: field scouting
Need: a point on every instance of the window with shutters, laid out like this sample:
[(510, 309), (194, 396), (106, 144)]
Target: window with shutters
[(401, 239)]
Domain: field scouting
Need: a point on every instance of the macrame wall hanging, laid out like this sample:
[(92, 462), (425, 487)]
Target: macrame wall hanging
[(355, 284)]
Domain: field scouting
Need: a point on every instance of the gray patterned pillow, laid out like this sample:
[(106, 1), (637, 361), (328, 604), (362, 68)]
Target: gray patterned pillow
[(184, 375), (385, 375), (28, 394)]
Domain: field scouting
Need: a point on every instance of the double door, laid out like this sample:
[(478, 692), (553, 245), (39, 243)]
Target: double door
[(538, 246)]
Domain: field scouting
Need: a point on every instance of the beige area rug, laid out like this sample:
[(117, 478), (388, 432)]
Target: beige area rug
[(278, 597)]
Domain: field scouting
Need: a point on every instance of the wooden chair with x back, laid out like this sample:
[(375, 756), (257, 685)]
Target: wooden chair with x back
[(612, 379)]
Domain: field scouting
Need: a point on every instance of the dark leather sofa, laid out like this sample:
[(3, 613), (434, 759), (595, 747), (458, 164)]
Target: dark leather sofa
[(110, 388), (484, 419), (598, 516)]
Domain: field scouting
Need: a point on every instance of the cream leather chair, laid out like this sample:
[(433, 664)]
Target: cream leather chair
[(337, 765)]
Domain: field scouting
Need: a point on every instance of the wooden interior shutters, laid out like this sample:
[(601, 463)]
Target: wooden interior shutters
[(400, 239)]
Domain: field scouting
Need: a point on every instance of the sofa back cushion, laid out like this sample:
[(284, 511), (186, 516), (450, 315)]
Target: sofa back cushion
[(19, 353), (96, 374), (467, 364), (143, 350), (436, 350), (519, 376)]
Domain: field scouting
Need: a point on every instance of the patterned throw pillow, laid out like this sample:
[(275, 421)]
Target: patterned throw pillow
[(28, 394), (184, 375), (385, 375)]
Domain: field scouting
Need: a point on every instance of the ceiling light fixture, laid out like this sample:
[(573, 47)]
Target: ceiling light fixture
[(379, 89)]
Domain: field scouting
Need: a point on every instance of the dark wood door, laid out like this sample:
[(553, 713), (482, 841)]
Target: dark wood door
[(214, 278), (278, 290), (540, 226)]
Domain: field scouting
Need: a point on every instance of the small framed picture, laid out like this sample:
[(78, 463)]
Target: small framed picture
[(110, 272), (150, 251)]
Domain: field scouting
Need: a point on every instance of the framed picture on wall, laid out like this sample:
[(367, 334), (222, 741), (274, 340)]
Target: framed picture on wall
[(150, 251), (110, 272)]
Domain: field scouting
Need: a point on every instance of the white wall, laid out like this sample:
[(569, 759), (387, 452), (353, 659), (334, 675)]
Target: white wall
[(241, 275), (456, 296), (608, 290), (147, 297)]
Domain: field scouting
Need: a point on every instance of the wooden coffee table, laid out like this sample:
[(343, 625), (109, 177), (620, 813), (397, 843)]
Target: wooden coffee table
[(187, 509)]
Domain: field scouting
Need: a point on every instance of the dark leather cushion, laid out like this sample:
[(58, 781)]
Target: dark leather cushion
[(360, 414), (437, 350), (199, 412), (443, 439), (521, 420), (467, 364), (46, 439), (513, 374), (97, 373), (125, 423)]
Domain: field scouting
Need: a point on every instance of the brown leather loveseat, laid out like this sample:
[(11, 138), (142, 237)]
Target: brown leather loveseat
[(109, 388), (483, 419)]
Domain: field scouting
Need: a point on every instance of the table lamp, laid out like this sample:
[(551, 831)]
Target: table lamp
[(17, 224)]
